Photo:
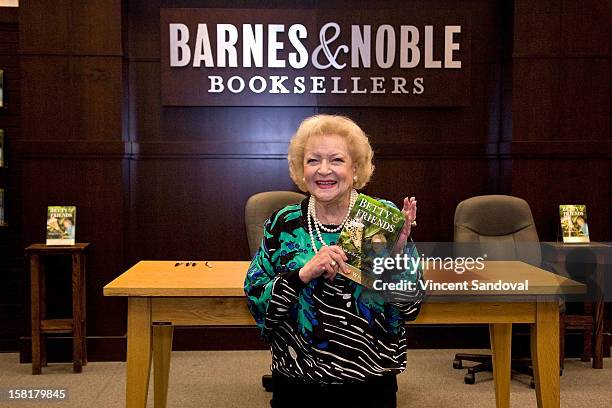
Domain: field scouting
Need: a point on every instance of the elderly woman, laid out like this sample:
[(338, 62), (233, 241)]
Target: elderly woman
[(333, 341)]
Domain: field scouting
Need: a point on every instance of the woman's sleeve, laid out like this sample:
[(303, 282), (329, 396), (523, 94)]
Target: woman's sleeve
[(270, 291), (407, 303)]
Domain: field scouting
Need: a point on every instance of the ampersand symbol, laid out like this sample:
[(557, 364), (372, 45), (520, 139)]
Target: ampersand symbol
[(331, 58)]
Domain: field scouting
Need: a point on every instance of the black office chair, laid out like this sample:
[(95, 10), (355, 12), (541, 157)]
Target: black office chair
[(258, 209), (498, 225)]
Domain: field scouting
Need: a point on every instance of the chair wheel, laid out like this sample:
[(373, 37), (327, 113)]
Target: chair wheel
[(469, 378), (457, 364)]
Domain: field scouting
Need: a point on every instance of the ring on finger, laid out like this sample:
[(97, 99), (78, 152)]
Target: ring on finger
[(333, 263)]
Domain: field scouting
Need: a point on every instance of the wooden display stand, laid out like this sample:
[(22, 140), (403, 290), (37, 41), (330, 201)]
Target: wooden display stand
[(592, 321), (41, 325)]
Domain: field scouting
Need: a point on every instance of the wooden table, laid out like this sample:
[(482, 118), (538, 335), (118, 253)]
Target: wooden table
[(162, 295)]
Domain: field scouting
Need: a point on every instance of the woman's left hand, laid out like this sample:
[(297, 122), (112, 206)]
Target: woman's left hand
[(409, 210)]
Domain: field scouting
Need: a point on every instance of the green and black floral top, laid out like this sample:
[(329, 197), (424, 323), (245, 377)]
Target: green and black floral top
[(327, 332)]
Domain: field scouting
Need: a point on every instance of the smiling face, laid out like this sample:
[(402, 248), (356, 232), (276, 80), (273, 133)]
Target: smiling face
[(328, 168)]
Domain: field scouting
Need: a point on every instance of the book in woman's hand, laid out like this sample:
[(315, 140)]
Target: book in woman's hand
[(371, 232)]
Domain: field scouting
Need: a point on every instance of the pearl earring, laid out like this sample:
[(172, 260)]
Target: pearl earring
[(354, 178)]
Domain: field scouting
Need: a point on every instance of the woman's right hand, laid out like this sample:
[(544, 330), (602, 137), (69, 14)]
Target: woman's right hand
[(325, 263)]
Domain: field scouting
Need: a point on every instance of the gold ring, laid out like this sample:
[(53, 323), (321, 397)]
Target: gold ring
[(333, 263)]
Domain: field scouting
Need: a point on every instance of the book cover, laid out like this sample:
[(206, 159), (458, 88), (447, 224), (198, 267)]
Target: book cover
[(574, 223), (371, 231), (61, 225), (2, 219), (2, 148)]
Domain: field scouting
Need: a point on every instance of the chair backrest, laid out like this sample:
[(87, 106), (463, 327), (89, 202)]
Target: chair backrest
[(258, 209), (502, 225)]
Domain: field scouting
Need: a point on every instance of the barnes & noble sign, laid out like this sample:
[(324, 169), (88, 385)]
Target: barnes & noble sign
[(240, 57)]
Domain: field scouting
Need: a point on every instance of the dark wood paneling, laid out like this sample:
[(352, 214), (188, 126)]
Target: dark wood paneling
[(72, 98), (71, 149), (46, 90), (536, 99), (586, 27), (96, 27), (561, 112), (45, 27), (537, 28), (12, 312), (144, 119), (96, 98), (585, 89), (143, 29), (194, 209), (154, 182), (557, 149)]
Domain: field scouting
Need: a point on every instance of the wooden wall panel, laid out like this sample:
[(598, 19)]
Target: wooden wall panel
[(231, 125), (143, 29), (89, 28), (561, 111), (155, 182), (45, 28), (96, 96), (71, 149), (46, 88), (586, 27), (12, 313), (585, 102), (145, 116), (194, 209), (536, 99), (537, 28)]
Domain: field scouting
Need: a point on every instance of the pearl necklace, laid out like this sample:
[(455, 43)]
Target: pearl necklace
[(312, 215)]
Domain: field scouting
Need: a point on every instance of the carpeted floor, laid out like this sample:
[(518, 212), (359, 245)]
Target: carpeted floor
[(232, 379)]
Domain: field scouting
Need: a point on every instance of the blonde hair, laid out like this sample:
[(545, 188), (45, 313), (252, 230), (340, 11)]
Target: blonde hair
[(356, 140)]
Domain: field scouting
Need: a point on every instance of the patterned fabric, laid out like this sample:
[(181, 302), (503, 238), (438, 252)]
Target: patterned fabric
[(328, 332)]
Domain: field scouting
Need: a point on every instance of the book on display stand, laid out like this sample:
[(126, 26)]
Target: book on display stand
[(574, 226), (61, 225)]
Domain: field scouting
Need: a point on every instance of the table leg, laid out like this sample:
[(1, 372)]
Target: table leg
[(84, 308), (599, 317), (77, 318), (138, 352), (501, 345), (35, 312), (42, 310), (162, 349), (545, 354)]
